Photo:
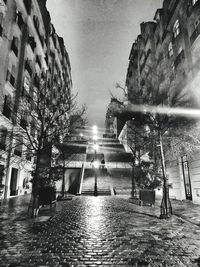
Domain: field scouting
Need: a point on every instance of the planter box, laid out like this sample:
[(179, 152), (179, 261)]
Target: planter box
[(147, 197), (47, 196)]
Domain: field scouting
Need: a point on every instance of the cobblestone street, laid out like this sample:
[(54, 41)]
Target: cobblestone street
[(95, 231)]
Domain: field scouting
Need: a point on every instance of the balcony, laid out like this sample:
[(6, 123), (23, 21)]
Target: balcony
[(195, 34), (179, 58)]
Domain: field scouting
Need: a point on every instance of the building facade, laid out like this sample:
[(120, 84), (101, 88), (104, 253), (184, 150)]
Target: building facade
[(165, 57), (31, 54)]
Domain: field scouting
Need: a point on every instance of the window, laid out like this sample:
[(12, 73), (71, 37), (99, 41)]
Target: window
[(19, 19), (15, 45), (23, 122), (18, 146), (170, 49), (1, 24), (194, 2), (197, 21), (27, 83), (180, 50), (176, 28), (3, 135), (7, 106)]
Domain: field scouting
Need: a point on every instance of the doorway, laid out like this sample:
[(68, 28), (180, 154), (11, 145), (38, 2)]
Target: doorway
[(13, 182), (186, 176)]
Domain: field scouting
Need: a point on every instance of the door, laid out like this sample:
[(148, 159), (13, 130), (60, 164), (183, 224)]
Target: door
[(186, 176), (13, 182)]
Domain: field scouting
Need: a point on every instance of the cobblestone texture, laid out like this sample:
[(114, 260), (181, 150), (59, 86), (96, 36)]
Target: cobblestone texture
[(96, 231)]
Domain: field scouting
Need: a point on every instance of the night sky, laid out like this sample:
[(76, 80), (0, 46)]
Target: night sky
[(98, 35)]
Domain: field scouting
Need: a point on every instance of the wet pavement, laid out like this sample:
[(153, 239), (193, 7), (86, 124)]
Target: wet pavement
[(95, 231)]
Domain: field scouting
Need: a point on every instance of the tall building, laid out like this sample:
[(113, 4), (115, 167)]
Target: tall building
[(31, 54), (165, 58)]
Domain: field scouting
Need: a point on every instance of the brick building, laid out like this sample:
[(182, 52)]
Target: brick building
[(30, 53)]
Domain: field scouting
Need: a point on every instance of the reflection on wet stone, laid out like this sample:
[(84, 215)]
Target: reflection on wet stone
[(103, 231)]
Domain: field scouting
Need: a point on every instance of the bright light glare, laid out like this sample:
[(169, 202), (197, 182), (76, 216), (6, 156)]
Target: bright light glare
[(96, 164), (94, 129), (178, 111), (81, 134), (95, 146), (95, 137)]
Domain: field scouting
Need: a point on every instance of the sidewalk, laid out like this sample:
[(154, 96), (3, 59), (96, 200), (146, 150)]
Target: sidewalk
[(183, 209)]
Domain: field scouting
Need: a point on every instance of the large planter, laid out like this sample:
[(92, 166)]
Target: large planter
[(147, 197), (47, 195)]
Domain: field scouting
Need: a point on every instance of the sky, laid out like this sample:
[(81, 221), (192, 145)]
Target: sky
[(98, 36)]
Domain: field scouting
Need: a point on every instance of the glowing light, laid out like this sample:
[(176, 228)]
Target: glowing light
[(96, 164), (95, 137), (95, 146), (94, 129)]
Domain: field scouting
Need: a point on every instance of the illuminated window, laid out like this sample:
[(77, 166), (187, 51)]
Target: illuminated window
[(170, 49), (176, 28)]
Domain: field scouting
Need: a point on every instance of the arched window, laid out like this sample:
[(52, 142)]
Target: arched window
[(176, 28), (170, 49)]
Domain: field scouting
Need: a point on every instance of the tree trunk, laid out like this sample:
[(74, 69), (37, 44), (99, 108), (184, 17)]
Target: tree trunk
[(165, 208), (133, 181), (34, 202)]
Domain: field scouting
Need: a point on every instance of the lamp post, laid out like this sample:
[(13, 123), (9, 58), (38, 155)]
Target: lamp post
[(95, 166), (95, 163)]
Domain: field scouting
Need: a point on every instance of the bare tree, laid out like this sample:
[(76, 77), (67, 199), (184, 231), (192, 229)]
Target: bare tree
[(42, 119)]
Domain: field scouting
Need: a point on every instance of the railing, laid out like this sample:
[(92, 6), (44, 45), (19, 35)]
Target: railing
[(81, 178)]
